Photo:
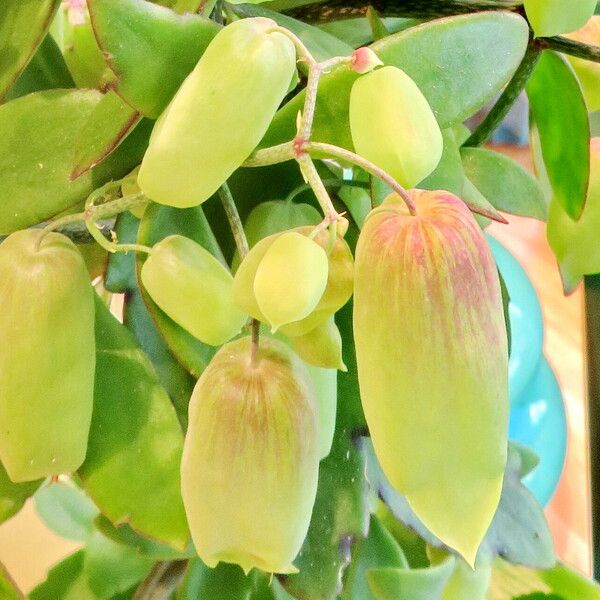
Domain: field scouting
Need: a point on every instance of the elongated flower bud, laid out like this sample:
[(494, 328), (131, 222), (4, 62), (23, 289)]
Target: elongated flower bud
[(194, 289), (250, 460), (290, 279), (393, 125), (220, 113), (321, 347), (337, 292), (432, 361), (47, 357)]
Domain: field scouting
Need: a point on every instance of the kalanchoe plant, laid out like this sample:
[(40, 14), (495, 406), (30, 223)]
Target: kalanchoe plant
[(223, 166)]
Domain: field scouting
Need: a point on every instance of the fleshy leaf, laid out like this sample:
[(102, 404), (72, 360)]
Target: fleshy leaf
[(433, 55), (23, 25), (225, 582), (448, 175), (111, 121), (65, 581), (150, 48), (563, 125), (46, 70), (8, 588), (34, 182), (136, 456), (505, 183), (13, 495)]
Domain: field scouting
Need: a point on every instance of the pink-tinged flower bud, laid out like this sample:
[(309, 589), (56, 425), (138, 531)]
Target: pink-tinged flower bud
[(251, 457), (364, 60), (432, 359)]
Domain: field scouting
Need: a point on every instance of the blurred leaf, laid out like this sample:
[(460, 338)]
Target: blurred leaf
[(37, 135), (112, 568), (518, 532), (434, 55), (560, 115), (560, 583), (378, 549), (358, 32), (111, 121), (448, 175), (65, 581), (66, 510), (126, 536), (467, 583), (46, 70), (132, 464), (322, 45), (504, 183), (595, 123), (23, 25), (14, 495), (150, 49), (8, 588), (410, 584), (157, 223), (377, 25)]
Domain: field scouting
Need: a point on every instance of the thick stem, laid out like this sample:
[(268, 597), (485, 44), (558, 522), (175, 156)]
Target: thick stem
[(312, 177), (363, 163), (515, 86), (571, 47), (235, 223), (333, 10), (162, 580), (270, 156)]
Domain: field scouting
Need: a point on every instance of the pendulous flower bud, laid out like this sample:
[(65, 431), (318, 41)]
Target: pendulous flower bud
[(321, 347), (251, 457), (393, 126), (219, 114), (337, 292), (189, 284), (48, 355), (432, 358)]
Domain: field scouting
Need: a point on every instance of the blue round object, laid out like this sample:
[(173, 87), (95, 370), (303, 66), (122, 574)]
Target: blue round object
[(537, 417)]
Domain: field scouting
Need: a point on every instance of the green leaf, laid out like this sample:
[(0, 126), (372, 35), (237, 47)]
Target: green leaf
[(378, 549), (14, 495), (157, 223), (561, 583), (23, 25), (126, 536), (8, 588), (322, 45), (37, 135), (65, 581), (410, 584), (66, 510), (553, 17), (518, 532), (448, 175), (434, 55), (132, 464), (150, 49), (111, 121), (595, 123), (563, 125), (467, 583), (46, 70), (120, 272), (225, 582), (358, 32), (112, 568), (178, 382), (341, 512), (506, 184)]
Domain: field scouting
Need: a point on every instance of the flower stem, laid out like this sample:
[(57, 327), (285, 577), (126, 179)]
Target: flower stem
[(363, 163), (235, 223), (312, 177), (270, 156), (571, 47)]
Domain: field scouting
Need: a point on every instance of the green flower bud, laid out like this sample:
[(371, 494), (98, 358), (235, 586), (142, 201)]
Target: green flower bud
[(48, 355), (393, 125), (250, 461), (337, 292), (321, 347), (189, 284), (290, 279), (220, 113), (432, 358)]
